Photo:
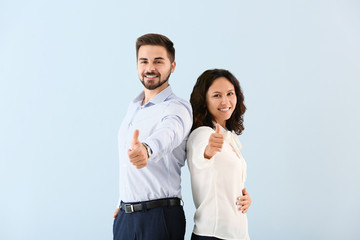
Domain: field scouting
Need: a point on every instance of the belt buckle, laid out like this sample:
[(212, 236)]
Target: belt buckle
[(131, 208)]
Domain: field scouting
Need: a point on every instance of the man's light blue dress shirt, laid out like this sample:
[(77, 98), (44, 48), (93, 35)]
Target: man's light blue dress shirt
[(164, 124)]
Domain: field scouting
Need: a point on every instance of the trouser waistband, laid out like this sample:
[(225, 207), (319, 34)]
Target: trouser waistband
[(147, 205)]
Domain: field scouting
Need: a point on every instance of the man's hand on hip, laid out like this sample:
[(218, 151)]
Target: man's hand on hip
[(138, 154), (116, 212)]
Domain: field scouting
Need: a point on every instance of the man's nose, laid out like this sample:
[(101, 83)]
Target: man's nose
[(150, 67)]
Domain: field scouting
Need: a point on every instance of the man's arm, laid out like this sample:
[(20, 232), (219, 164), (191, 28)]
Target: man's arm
[(170, 132)]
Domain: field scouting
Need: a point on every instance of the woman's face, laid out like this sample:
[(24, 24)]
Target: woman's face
[(221, 100)]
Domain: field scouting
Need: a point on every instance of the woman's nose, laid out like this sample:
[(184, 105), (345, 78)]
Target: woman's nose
[(224, 100)]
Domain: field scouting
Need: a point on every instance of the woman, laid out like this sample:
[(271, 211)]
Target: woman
[(217, 168)]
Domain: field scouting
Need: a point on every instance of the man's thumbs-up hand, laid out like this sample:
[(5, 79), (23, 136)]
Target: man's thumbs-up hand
[(138, 154), (215, 144), (135, 140)]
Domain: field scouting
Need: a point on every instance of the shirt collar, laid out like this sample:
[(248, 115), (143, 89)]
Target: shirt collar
[(160, 97)]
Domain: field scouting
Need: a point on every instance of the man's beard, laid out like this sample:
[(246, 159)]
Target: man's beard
[(155, 86)]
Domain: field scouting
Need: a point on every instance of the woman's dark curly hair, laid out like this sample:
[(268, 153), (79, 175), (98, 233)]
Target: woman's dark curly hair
[(201, 114)]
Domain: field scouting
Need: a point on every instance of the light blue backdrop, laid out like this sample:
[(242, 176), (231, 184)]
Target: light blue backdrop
[(67, 74)]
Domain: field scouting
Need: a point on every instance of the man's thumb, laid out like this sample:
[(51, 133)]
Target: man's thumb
[(217, 128), (135, 138)]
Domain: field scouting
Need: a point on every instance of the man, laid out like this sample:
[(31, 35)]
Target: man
[(152, 139)]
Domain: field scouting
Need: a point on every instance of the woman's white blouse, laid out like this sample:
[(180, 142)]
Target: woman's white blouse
[(216, 183)]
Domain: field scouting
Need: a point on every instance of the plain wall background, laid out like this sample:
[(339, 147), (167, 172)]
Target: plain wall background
[(67, 74)]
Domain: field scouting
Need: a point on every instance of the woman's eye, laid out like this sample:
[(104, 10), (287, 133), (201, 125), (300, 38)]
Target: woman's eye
[(230, 93), (217, 95)]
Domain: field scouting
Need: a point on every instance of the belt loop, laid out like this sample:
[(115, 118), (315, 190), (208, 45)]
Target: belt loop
[(168, 202), (143, 206)]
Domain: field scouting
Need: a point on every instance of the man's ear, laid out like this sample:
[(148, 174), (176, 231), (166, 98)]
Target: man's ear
[(173, 65)]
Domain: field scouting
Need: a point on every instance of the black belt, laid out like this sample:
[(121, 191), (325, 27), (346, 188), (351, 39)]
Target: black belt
[(136, 207)]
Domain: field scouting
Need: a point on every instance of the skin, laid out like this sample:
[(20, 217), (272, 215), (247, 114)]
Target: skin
[(154, 68), (243, 202), (138, 154), (221, 102), (215, 143), (116, 212)]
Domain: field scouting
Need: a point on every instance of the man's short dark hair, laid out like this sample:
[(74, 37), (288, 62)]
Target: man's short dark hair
[(156, 40)]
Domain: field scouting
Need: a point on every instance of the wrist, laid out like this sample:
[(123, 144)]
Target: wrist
[(148, 149), (206, 154)]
